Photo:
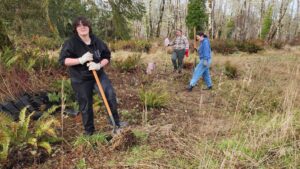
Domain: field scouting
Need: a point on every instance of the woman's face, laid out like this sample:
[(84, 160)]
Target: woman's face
[(199, 38), (178, 33), (82, 30)]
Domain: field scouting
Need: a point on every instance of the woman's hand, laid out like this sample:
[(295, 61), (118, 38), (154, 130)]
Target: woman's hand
[(186, 53), (205, 63)]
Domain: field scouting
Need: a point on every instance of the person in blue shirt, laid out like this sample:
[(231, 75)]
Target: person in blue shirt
[(202, 69)]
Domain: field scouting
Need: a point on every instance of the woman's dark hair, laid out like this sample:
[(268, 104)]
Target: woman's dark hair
[(84, 21), (201, 34)]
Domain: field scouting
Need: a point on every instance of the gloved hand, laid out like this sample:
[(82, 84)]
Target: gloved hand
[(94, 66), (186, 53), (85, 58), (205, 63)]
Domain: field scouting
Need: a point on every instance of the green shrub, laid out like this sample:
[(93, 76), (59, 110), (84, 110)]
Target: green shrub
[(143, 46), (129, 64), (4, 38), (8, 57), (36, 59), (223, 46), (17, 136), (154, 97), (46, 43), (29, 59), (249, 46), (277, 45), (131, 45), (229, 46), (230, 70)]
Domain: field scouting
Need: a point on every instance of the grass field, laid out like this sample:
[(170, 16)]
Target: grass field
[(251, 119)]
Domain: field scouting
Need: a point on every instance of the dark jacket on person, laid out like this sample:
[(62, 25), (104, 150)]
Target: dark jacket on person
[(75, 48)]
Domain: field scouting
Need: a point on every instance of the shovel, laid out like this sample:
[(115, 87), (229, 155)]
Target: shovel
[(105, 101)]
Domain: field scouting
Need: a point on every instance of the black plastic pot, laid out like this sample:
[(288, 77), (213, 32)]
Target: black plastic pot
[(37, 100), (71, 112), (10, 109)]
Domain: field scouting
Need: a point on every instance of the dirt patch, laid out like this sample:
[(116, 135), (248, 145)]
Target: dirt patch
[(122, 141)]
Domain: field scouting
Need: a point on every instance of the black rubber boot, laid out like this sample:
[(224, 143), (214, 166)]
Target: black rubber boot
[(189, 88)]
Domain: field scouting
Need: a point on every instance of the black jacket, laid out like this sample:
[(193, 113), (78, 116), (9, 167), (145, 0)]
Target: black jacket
[(75, 48)]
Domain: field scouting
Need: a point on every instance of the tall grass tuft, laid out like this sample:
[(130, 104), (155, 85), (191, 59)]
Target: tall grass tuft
[(128, 64)]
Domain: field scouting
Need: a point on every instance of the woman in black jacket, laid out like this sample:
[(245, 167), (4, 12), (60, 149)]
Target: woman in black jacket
[(82, 53)]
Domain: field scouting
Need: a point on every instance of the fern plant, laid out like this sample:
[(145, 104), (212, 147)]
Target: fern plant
[(154, 97), (18, 135), (4, 135), (8, 57)]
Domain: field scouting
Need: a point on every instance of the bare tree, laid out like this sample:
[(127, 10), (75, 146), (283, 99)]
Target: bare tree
[(297, 19), (276, 28), (162, 9), (238, 19), (151, 29), (262, 13), (210, 17)]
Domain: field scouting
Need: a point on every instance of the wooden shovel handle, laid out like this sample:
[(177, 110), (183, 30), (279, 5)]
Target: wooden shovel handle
[(104, 97)]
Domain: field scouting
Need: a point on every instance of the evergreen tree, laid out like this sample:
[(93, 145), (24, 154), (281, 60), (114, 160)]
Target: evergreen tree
[(229, 28), (267, 22), (196, 16), (124, 11)]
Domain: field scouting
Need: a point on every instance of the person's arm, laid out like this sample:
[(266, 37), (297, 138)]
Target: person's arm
[(71, 61), (206, 49), (186, 42), (172, 43), (104, 62), (66, 59), (106, 56), (82, 60), (65, 53)]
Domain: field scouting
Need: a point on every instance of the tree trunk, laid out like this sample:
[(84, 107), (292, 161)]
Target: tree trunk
[(244, 21), (52, 27), (162, 9), (176, 15), (210, 18), (277, 28), (262, 14), (150, 20), (241, 20), (297, 19)]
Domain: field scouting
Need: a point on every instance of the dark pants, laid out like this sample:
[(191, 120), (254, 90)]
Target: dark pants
[(84, 92), (178, 56)]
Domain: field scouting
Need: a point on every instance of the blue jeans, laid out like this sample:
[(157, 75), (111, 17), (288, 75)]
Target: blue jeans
[(200, 71)]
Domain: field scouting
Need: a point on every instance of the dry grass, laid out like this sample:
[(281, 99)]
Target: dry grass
[(248, 122)]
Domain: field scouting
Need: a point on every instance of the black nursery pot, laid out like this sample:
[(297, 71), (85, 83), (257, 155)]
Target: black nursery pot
[(10, 109)]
